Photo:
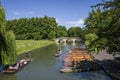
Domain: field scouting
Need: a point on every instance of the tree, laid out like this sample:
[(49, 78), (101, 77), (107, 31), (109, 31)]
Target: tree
[(34, 28), (112, 9), (61, 31), (7, 42), (51, 35), (105, 23), (75, 32), (93, 22)]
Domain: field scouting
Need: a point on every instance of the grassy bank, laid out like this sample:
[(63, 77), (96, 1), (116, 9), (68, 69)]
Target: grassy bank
[(27, 45)]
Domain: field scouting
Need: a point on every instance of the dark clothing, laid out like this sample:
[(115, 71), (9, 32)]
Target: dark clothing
[(27, 54)]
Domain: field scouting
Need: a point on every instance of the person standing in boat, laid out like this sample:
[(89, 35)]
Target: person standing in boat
[(59, 52), (27, 55)]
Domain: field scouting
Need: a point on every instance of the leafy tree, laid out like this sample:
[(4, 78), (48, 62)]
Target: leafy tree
[(61, 31), (51, 35), (105, 23), (36, 28), (75, 32), (93, 23), (7, 42)]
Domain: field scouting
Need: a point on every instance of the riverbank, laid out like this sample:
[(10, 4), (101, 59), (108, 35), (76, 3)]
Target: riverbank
[(28, 45), (109, 63)]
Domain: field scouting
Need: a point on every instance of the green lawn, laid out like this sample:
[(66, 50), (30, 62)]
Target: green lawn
[(27, 45)]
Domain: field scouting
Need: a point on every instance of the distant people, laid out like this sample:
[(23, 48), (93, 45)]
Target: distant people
[(27, 54), (59, 51), (23, 61), (14, 66)]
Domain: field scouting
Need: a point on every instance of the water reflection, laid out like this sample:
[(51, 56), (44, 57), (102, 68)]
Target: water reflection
[(45, 66), (8, 77)]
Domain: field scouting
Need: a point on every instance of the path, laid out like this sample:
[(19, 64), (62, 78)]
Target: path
[(110, 64)]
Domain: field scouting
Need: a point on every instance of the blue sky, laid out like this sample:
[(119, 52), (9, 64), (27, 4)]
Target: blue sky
[(67, 12)]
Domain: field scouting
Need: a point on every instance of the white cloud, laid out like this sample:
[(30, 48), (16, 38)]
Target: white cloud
[(17, 13), (57, 20), (75, 23), (68, 24), (29, 13)]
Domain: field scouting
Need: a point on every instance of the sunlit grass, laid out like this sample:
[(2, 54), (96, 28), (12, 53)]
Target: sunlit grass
[(27, 45)]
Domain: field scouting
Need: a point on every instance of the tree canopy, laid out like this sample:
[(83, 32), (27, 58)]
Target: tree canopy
[(75, 32), (36, 28), (7, 41), (104, 22)]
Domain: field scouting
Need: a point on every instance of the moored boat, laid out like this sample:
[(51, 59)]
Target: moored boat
[(80, 60), (66, 70)]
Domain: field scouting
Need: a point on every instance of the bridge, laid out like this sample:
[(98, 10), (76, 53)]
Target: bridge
[(68, 39)]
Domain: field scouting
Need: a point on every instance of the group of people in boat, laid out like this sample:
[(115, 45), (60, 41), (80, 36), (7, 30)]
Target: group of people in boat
[(19, 64)]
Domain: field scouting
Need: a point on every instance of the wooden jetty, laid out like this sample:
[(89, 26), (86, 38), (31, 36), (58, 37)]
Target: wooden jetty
[(77, 60)]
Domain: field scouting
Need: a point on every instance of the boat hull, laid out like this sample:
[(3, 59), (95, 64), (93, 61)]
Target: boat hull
[(11, 71)]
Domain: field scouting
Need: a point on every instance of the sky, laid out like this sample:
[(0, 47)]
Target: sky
[(69, 13)]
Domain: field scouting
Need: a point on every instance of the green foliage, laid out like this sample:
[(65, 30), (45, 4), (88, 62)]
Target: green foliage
[(2, 20), (90, 38), (7, 42), (61, 31), (75, 32), (36, 28), (93, 21), (51, 35), (105, 23), (10, 51), (37, 36)]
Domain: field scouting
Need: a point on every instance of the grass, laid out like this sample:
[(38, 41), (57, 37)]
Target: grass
[(27, 45)]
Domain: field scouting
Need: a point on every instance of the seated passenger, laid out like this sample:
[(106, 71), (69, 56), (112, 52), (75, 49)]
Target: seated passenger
[(13, 67)]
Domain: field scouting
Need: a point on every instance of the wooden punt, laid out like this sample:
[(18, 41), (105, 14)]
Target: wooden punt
[(58, 53), (11, 71), (80, 60), (66, 70)]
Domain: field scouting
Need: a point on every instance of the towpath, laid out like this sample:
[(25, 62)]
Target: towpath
[(110, 63)]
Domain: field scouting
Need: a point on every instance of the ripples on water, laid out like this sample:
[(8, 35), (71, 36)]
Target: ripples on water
[(45, 66)]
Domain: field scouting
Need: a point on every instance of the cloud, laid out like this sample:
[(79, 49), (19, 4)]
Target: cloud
[(57, 20), (75, 23), (29, 13), (17, 13), (68, 24)]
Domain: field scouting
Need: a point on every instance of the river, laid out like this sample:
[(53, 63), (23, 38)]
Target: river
[(45, 66)]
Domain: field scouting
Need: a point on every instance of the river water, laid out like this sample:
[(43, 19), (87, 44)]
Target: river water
[(45, 66)]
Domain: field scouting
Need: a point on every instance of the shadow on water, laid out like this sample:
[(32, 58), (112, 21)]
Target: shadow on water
[(112, 67), (45, 66)]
